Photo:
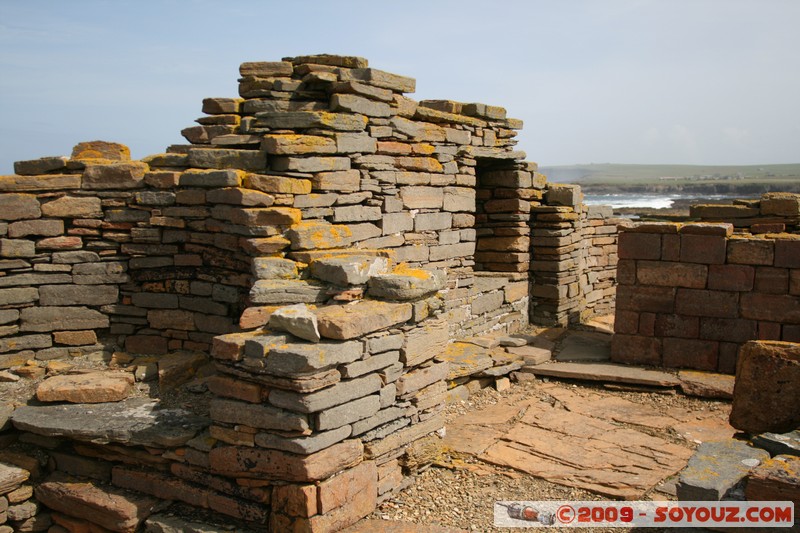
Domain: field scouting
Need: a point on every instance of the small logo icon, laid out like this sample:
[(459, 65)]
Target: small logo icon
[(527, 513)]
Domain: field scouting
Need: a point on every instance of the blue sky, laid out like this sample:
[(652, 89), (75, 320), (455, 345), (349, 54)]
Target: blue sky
[(624, 81)]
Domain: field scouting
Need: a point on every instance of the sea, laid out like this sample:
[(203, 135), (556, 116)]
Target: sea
[(652, 201)]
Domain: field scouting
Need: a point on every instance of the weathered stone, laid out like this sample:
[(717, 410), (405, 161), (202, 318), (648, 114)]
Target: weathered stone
[(532, 355), (288, 144), (219, 158), (100, 150), (357, 104), (92, 387), (349, 270), (338, 394), (44, 228), (406, 284), (371, 364), (312, 119), (257, 416), (347, 413), (77, 295), (177, 368), (706, 385), (319, 236), (422, 197), (45, 182), (777, 479), (127, 175), (465, 359), (211, 178), (277, 184), (424, 342), (297, 320), (17, 248), (399, 439), (766, 397), (275, 464), (420, 378), (303, 445), (274, 268), (19, 207), (12, 477), (136, 421), (18, 295), (360, 318), (238, 196), (61, 318), (716, 468), (288, 359), (43, 165), (286, 292), (343, 181), (779, 444), (108, 507)]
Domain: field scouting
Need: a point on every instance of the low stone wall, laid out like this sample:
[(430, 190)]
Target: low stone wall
[(774, 212), (690, 295)]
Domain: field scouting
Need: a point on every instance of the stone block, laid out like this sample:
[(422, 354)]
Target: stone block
[(286, 292), (277, 184), (776, 479), (91, 387), (787, 253), (357, 104), (108, 507), (347, 413), (44, 228), (424, 342), (646, 299), (338, 394), (782, 308), (766, 397), (716, 468), (349, 270), (705, 249), (257, 416), (304, 445), (319, 236), (451, 251), (669, 325), (342, 181), (670, 274), (61, 318), (45, 182), (171, 319), (78, 295), (74, 207), (563, 194), (18, 295), (420, 378), (697, 302), (295, 500), (731, 277), (370, 364), (422, 197), (356, 213), (285, 358), (780, 204), (397, 223), (297, 320), (312, 119), (360, 318), (352, 143), (126, 175), (14, 248), (274, 268), (292, 144), (86, 151), (407, 284), (43, 165), (636, 349), (751, 251), (237, 196), (697, 354), (772, 280), (19, 206), (639, 245), (226, 158), (211, 178)]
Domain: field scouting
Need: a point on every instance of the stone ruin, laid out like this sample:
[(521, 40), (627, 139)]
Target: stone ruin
[(347, 259)]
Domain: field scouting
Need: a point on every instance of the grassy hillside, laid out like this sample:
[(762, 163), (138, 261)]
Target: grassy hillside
[(611, 177)]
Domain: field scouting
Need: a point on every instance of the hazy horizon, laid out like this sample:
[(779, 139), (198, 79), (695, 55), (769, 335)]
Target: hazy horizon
[(629, 81)]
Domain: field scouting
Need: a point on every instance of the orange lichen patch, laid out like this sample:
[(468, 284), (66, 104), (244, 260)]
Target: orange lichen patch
[(422, 164), (277, 184), (101, 150), (423, 148), (293, 144), (404, 270), (394, 148), (465, 359), (314, 235)]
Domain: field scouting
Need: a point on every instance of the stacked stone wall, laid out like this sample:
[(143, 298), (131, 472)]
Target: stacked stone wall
[(690, 295), (774, 212)]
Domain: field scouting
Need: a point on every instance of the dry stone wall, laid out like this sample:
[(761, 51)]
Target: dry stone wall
[(324, 238), (690, 295)]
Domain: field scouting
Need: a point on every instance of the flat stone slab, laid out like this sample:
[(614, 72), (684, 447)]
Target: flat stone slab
[(779, 444), (359, 318), (706, 384), (133, 421), (716, 468), (465, 359), (585, 346), (777, 479), (608, 372), (91, 387), (11, 477)]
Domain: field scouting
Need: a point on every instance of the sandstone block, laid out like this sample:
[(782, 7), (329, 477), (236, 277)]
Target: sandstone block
[(100, 150), (286, 292), (432, 221), (211, 178), (782, 308), (766, 396), (288, 359), (780, 204), (349, 270), (696, 302), (312, 119), (274, 268), (358, 104), (407, 284), (731, 277), (776, 479), (78, 295), (397, 223), (275, 464), (61, 318), (422, 197), (18, 295), (224, 158), (459, 199), (636, 349), (420, 378), (257, 416), (319, 235), (716, 468), (751, 252), (451, 251), (706, 249), (342, 181), (424, 342), (44, 228), (297, 320), (356, 213), (671, 274), (303, 445), (353, 143), (288, 144), (108, 507), (347, 413), (92, 387), (360, 318), (698, 354), (320, 400), (237, 196), (277, 184), (379, 78), (43, 165), (127, 175), (19, 206), (45, 182), (17, 248), (639, 245), (401, 438), (787, 253)]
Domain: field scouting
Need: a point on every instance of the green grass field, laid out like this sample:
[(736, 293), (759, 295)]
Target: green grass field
[(669, 177)]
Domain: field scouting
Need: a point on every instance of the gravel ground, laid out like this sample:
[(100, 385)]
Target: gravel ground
[(463, 494)]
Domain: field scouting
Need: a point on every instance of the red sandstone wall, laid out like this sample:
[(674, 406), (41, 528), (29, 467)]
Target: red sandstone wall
[(690, 295)]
